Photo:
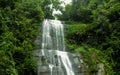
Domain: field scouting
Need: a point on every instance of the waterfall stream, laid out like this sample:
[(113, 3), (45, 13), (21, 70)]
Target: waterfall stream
[(53, 59), (52, 35)]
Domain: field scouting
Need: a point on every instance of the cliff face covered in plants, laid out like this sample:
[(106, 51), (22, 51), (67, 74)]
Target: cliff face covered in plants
[(93, 28)]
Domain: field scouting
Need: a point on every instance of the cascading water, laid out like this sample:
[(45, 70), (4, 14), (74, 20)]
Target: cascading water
[(52, 57), (53, 60), (52, 35)]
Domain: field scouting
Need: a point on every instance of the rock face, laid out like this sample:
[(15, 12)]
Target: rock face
[(56, 62), (101, 70), (52, 56)]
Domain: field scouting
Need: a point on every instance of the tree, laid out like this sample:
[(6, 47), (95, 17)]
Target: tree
[(19, 27), (102, 32), (49, 6)]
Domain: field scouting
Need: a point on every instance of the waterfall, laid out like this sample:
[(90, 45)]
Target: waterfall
[(53, 59), (53, 35)]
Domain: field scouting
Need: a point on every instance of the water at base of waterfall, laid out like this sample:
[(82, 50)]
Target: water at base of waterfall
[(56, 62)]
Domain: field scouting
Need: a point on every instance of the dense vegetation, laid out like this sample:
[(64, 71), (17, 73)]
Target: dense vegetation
[(19, 25), (93, 28)]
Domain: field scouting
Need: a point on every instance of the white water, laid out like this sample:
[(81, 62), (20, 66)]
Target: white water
[(53, 48), (52, 58), (51, 68), (52, 35), (66, 62)]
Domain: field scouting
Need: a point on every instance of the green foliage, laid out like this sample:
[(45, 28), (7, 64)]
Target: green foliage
[(19, 25), (98, 27), (7, 65), (7, 3), (66, 13), (74, 34), (78, 11), (92, 57), (49, 6), (77, 28)]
